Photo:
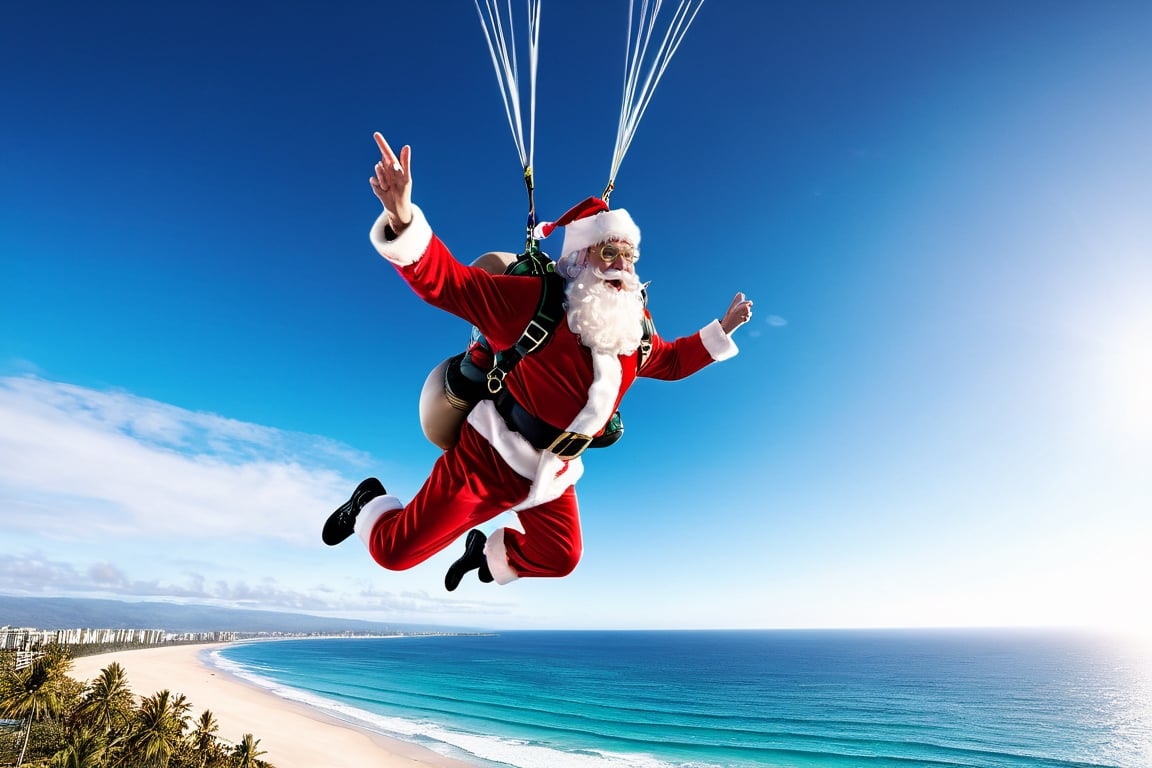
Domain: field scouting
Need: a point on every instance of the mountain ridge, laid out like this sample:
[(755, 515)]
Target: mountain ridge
[(73, 612)]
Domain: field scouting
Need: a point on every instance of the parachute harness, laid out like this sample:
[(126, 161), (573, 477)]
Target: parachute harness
[(549, 310)]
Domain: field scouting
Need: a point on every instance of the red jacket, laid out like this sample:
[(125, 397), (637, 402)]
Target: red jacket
[(564, 383)]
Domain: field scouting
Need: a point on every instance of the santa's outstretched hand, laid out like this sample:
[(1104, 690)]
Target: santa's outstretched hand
[(739, 312), (393, 183)]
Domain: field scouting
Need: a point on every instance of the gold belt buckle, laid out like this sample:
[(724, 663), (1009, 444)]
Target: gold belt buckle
[(569, 445)]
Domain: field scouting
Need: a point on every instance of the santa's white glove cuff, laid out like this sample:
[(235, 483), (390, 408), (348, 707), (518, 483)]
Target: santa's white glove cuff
[(718, 343), (407, 247)]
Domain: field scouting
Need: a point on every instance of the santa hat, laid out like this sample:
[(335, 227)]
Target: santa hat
[(590, 223)]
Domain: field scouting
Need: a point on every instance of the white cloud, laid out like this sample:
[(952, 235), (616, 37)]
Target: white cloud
[(106, 494), (772, 321), (136, 467)]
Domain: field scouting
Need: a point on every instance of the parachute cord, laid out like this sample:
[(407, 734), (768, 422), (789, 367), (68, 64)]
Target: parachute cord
[(530, 243), (533, 59), (503, 53), (636, 96), (502, 50)]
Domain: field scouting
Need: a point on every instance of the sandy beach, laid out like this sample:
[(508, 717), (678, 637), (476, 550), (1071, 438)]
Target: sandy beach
[(293, 735)]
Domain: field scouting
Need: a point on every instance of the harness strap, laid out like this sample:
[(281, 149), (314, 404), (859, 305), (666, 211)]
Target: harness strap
[(649, 330), (549, 310)]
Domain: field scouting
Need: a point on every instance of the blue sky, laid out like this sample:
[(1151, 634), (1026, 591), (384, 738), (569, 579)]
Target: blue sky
[(940, 414)]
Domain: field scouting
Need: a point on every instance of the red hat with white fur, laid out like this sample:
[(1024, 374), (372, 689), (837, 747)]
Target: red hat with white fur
[(591, 223)]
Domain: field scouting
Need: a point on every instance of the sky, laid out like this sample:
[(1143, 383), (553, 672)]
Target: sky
[(940, 415)]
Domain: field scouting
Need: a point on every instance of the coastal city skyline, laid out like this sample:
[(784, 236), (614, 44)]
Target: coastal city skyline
[(939, 415), (27, 638)]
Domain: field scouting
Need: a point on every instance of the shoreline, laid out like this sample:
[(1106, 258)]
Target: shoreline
[(292, 734)]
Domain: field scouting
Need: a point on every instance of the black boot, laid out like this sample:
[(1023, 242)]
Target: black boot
[(473, 558), (342, 523)]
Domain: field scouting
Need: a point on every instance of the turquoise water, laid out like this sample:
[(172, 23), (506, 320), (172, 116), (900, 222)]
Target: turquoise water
[(789, 699)]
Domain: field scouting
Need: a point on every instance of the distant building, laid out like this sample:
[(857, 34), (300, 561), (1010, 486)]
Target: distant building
[(29, 638), (88, 636), (24, 638)]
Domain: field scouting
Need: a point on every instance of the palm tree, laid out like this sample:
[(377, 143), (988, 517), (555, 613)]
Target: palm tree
[(203, 737), (180, 707), (32, 693), (157, 729), (107, 703), (247, 751), (85, 749)]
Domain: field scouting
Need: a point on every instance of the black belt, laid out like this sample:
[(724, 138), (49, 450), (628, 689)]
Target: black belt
[(541, 434)]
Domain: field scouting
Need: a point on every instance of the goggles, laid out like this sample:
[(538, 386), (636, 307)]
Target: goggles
[(609, 252)]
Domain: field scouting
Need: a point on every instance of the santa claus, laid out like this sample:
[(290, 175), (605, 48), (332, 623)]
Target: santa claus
[(520, 451)]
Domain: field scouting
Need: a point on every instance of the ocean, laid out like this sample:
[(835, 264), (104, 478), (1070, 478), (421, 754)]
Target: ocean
[(732, 699)]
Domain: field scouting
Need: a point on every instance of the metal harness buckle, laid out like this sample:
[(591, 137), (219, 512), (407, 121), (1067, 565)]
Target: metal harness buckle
[(541, 335), (496, 380), (569, 445)]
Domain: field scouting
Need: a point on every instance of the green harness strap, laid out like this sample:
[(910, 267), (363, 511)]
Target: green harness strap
[(549, 311)]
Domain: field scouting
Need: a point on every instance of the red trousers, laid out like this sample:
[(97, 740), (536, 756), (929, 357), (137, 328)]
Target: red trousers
[(470, 484)]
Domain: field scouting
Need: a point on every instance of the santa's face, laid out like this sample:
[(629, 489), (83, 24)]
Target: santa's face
[(612, 258), (605, 303)]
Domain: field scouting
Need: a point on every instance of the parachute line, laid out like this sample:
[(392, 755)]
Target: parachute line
[(638, 94), (501, 40)]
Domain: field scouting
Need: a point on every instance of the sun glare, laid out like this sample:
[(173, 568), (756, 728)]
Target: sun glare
[(1117, 368), (1130, 362)]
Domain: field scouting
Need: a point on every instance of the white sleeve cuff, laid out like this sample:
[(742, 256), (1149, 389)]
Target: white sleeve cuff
[(718, 343), (409, 246)]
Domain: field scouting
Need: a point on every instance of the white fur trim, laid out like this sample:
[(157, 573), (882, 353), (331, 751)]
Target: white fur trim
[(409, 246), (496, 553), (607, 376), (718, 343), (550, 475), (512, 447), (604, 226), (371, 512)]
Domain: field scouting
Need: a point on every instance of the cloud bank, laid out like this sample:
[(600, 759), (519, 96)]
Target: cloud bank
[(140, 466), (107, 494)]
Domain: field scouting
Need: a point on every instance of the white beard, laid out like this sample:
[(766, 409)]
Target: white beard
[(607, 320)]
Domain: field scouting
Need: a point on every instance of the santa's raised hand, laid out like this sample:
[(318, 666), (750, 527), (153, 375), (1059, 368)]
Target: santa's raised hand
[(392, 183), (739, 312)]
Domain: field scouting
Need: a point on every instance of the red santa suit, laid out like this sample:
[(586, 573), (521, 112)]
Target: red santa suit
[(493, 469)]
